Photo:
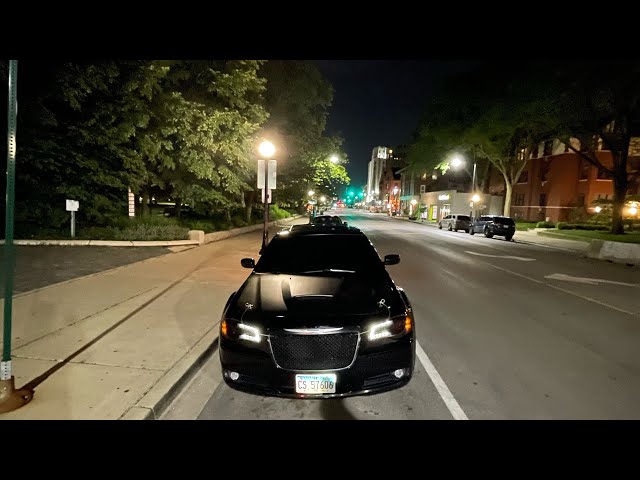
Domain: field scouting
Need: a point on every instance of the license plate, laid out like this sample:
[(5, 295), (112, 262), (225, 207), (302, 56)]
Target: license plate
[(316, 384)]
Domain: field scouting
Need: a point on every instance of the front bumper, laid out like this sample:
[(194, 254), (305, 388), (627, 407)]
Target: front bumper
[(371, 372)]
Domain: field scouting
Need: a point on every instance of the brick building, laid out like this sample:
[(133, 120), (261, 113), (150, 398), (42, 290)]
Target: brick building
[(556, 182)]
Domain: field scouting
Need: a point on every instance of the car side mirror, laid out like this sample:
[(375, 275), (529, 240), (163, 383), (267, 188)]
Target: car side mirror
[(392, 259), (248, 262)]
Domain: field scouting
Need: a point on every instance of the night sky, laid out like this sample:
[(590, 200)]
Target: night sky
[(380, 102)]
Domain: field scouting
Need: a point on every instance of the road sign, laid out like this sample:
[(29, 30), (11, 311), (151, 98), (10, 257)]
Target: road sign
[(73, 205), (270, 195), (272, 174)]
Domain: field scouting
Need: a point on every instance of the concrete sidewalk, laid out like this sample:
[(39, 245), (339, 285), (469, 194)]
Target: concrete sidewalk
[(115, 344)]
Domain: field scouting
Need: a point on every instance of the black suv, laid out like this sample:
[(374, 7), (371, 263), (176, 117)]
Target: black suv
[(492, 225)]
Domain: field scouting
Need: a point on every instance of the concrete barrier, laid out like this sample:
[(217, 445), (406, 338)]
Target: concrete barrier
[(618, 252)]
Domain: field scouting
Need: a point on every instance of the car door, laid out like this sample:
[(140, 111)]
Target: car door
[(479, 225)]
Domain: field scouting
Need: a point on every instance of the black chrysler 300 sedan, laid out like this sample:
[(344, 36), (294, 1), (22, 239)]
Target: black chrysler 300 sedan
[(318, 317)]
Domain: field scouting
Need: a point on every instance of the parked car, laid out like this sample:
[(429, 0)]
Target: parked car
[(318, 326), (455, 222), (492, 225)]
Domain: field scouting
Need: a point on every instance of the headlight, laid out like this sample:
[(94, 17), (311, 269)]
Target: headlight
[(391, 327), (234, 330)]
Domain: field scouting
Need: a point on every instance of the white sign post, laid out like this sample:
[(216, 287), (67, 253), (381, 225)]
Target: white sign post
[(73, 206)]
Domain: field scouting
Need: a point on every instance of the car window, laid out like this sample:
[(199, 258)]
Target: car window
[(464, 217), (304, 253), (504, 220)]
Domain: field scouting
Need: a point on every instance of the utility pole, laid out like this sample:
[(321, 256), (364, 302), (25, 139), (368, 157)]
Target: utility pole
[(10, 398)]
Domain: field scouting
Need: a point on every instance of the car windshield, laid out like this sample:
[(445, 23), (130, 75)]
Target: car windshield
[(319, 254)]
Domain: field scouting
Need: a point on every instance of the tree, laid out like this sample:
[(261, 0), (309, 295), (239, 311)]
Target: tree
[(507, 133), (495, 114), (595, 102), (298, 100)]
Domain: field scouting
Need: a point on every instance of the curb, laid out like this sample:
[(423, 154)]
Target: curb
[(153, 404), (206, 238)]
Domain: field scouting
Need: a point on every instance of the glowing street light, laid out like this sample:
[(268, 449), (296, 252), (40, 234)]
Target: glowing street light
[(267, 149), (457, 162), (598, 209), (334, 159), (323, 199), (311, 193), (633, 210), (475, 198)]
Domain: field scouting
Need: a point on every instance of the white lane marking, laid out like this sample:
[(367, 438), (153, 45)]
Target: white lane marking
[(446, 395), (589, 299), (513, 257), (584, 297), (588, 281)]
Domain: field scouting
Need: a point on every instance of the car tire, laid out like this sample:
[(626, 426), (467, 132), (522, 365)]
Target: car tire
[(439, 225), (472, 231), (508, 238), (487, 233), (450, 228)]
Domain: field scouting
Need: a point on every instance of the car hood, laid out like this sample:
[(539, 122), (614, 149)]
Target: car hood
[(307, 301)]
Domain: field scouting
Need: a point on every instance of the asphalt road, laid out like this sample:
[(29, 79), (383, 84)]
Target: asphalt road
[(505, 331), (39, 266)]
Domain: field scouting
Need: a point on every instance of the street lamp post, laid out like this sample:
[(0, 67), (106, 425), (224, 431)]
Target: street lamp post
[(395, 200), (10, 398), (266, 150)]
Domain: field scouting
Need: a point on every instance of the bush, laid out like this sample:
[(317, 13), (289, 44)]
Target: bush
[(277, 213), (581, 226), (545, 224)]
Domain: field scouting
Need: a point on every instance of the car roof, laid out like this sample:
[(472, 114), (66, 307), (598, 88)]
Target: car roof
[(313, 229)]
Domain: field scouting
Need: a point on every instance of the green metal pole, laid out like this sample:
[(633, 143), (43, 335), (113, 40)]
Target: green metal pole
[(9, 253)]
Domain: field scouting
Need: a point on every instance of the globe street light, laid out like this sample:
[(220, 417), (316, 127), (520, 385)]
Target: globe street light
[(475, 198), (311, 193), (266, 149), (323, 199), (598, 209), (334, 159), (457, 162)]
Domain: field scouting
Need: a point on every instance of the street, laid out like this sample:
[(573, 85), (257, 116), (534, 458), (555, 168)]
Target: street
[(505, 330)]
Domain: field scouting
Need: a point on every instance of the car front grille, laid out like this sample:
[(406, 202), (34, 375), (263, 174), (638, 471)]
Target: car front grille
[(314, 352)]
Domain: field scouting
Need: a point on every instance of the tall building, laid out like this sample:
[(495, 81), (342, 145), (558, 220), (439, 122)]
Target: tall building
[(377, 165)]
